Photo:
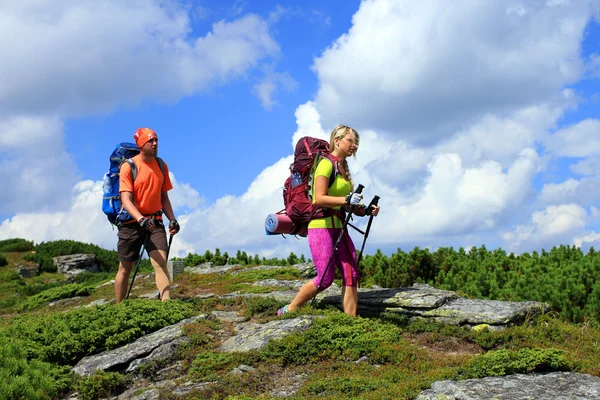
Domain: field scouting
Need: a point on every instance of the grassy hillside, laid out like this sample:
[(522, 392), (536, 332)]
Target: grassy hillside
[(39, 342)]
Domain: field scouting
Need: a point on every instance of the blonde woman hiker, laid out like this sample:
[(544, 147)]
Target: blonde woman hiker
[(324, 232)]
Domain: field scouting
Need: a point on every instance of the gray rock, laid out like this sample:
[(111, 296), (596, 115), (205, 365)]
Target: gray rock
[(418, 296), (75, 264), (425, 302), (163, 352), (280, 283), (493, 312), (152, 295), (28, 271), (209, 268), (229, 316), (205, 296), (289, 389), (242, 369), (552, 386), (150, 394), (99, 302), (256, 336), (187, 387), (63, 301), (123, 356)]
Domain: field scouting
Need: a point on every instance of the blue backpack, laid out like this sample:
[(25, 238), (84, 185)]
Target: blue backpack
[(111, 199)]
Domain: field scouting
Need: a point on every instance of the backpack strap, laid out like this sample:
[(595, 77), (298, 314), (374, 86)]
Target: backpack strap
[(133, 169), (161, 165)]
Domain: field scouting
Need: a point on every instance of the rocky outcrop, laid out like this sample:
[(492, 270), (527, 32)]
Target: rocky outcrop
[(75, 264), (148, 348), (552, 386), (424, 301), (256, 336)]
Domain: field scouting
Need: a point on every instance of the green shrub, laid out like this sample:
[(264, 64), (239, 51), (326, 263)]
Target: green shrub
[(3, 260), (56, 293), (29, 379), (101, 384), (209, 365), (30, 290), (261, 305), (108, 260), (524, 361), (11, 276), (15, 245), (340, 336), (66, 337), (93, 278)]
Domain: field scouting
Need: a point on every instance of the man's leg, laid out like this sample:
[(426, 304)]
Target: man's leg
[(158, 258), (122, 280)]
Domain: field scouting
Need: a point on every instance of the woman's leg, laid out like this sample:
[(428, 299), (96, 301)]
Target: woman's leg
[(347, 260), (320, 241)]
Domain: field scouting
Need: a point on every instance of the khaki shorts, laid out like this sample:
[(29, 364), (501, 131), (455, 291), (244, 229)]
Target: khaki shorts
[(131, 238)]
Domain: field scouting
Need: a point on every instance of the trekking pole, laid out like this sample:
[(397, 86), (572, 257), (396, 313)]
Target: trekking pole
[(337, 243), (369, 211), (169, 247), (136, 266)]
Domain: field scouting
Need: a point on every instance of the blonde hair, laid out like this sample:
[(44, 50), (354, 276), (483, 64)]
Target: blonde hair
[(340, 132)]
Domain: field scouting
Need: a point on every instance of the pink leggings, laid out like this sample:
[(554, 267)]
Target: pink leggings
[(321, 242)]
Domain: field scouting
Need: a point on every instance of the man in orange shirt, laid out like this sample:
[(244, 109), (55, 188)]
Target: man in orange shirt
[(144, 199)]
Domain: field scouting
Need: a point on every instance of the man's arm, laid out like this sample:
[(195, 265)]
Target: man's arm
[(166, 206), (127, 199)]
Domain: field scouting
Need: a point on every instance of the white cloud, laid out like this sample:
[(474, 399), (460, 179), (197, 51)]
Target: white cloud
[(84, 220), (579, 140), (456, 200), (76, 58), (268, 87), (422, 69), (237, 223), (35, 169), (591, 238), (588, 166), (309, 124), (584, 192), (554, 225)]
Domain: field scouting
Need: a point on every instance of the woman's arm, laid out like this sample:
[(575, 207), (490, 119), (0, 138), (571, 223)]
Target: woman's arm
[(322, 198)]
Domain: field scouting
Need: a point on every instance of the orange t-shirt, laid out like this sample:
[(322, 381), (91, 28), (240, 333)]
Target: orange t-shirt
[(148, 186)]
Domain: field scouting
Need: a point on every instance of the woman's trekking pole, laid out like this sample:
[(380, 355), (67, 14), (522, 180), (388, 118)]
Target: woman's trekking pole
[(335, 247), (136, 266), (370, 212)]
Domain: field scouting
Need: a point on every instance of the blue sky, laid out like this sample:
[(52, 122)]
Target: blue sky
[(479, 120)]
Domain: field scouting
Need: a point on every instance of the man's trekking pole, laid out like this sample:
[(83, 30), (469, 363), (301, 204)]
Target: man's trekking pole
[(335, 247), (169, 247), (370, 212), (136, 266)]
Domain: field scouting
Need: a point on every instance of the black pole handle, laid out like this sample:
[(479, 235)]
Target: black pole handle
[(373, 203), (359, 189)]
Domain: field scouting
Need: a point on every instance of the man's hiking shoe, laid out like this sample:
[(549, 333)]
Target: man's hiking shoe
[(283, 310)]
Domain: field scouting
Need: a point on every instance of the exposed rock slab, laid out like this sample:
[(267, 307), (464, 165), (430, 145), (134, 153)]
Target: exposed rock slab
[(493, 312), (424, 301), (256, 336), (280, 283), (417, 296), (120, 358), (229, 316), (75, 264), (552, 386)]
